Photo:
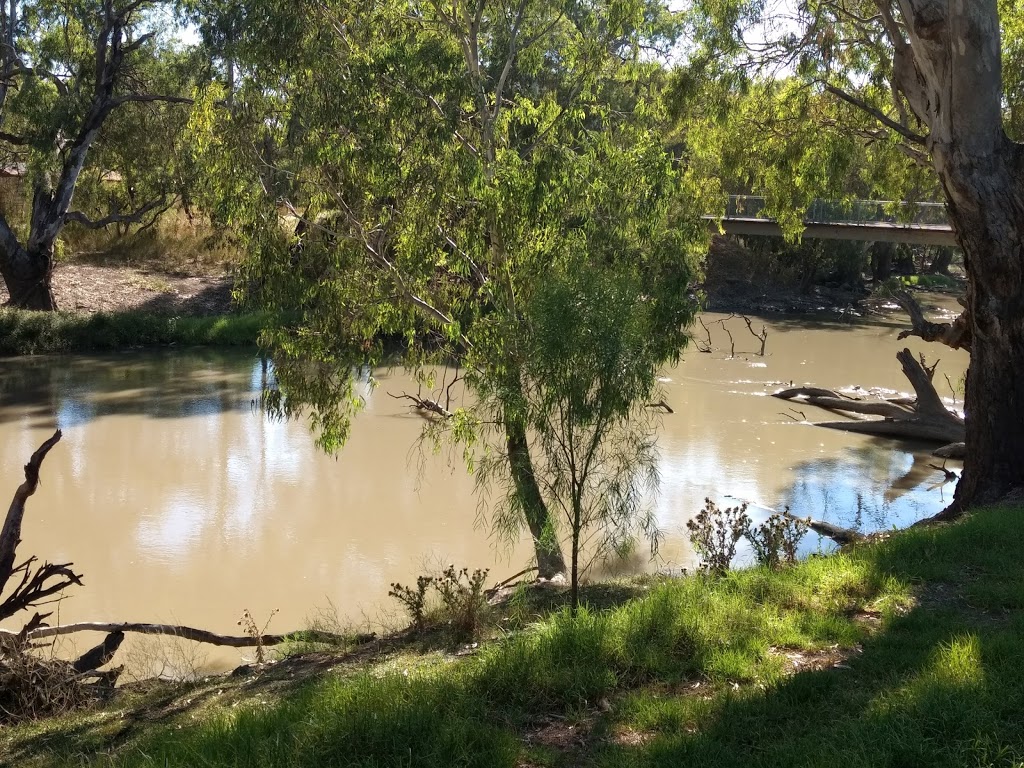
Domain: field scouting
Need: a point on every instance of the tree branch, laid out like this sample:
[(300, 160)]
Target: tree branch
[(188, 633), (883, 118), (10, 535), (956, 335), (118, 218), (130, 98)]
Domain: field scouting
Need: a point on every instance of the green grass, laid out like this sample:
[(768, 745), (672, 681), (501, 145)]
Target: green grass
[(919, 638), (937, 282), (27, 333)]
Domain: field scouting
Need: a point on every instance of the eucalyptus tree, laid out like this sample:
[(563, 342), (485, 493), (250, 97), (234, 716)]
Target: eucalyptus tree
[(928, 75), (445, 162), (66, 70)]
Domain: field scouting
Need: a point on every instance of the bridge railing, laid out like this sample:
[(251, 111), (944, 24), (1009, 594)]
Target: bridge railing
[(849, 212)]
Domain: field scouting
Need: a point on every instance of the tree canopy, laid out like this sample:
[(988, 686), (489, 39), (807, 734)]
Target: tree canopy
[(75, 78), (428, 171)]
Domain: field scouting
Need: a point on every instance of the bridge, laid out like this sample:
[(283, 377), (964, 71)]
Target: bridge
[(870, 220)]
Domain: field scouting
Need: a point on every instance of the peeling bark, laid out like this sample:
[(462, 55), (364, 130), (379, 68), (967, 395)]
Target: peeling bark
[(947, 64)]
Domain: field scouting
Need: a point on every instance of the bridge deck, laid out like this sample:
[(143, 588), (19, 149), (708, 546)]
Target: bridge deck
[(869, 220)]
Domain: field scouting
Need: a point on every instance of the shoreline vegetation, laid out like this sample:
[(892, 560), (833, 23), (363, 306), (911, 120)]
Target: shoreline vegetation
[(30, 333), (903, 650)]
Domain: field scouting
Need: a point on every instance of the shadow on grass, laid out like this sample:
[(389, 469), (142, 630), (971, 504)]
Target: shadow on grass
[(940, 683)]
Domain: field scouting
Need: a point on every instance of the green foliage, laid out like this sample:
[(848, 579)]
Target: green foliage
[(462, 595), (447, 178), (48, 107), (715, 532), (413, 600), (30, 333)]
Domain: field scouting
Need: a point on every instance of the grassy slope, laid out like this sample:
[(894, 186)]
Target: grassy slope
[(26, 333), (689, 673)]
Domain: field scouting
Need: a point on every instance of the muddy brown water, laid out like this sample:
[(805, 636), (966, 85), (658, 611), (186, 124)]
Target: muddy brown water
[(180, 503)]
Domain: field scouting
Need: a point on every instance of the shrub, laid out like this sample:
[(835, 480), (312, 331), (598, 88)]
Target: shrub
[(462, 595), (414, 600), (775, 541), (714, 534)]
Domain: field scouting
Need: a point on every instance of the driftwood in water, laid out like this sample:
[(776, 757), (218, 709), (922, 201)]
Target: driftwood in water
[(838, 534), (926, 419), (951, 451), (956, 335), (187, 633)]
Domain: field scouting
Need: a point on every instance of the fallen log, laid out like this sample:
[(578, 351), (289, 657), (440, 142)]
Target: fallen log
[(951, 451), (926, 419), (187, 633), (838, 534), (905, 429), (867, 407)]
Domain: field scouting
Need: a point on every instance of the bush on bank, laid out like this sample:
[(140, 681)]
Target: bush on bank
[(29, 333)]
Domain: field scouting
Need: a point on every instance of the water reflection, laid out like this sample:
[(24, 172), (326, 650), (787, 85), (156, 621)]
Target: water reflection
[(49, 392), (180, 503)]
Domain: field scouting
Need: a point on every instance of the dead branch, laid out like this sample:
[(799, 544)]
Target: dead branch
[(950, 475), (707, 332), (660, 404), (841, 536), (425, 405), (835, 402), (10, 535), (956, 335), (135, 217), (762, 336), (927, 418), (33, 586), (101, 654), (502, 584), (187, 633)]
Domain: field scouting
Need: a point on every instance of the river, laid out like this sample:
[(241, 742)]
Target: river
[(181, 503)]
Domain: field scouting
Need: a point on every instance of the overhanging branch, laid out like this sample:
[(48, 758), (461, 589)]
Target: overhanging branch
[(876, 113)]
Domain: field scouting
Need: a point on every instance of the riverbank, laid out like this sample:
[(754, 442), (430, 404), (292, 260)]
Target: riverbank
[(31, 333), (904, 651), (117, 307)]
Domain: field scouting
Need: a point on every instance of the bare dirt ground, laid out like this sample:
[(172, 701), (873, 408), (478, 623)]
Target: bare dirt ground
[(93, 288)]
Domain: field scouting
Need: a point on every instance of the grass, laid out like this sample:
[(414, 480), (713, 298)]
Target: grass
[(176, 243), (27, 333), (911, 651), (936, 282)]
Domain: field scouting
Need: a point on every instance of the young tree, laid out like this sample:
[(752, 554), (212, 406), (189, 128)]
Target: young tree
[(445, 163), (65, 69), (594, 348), (928, 75)]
